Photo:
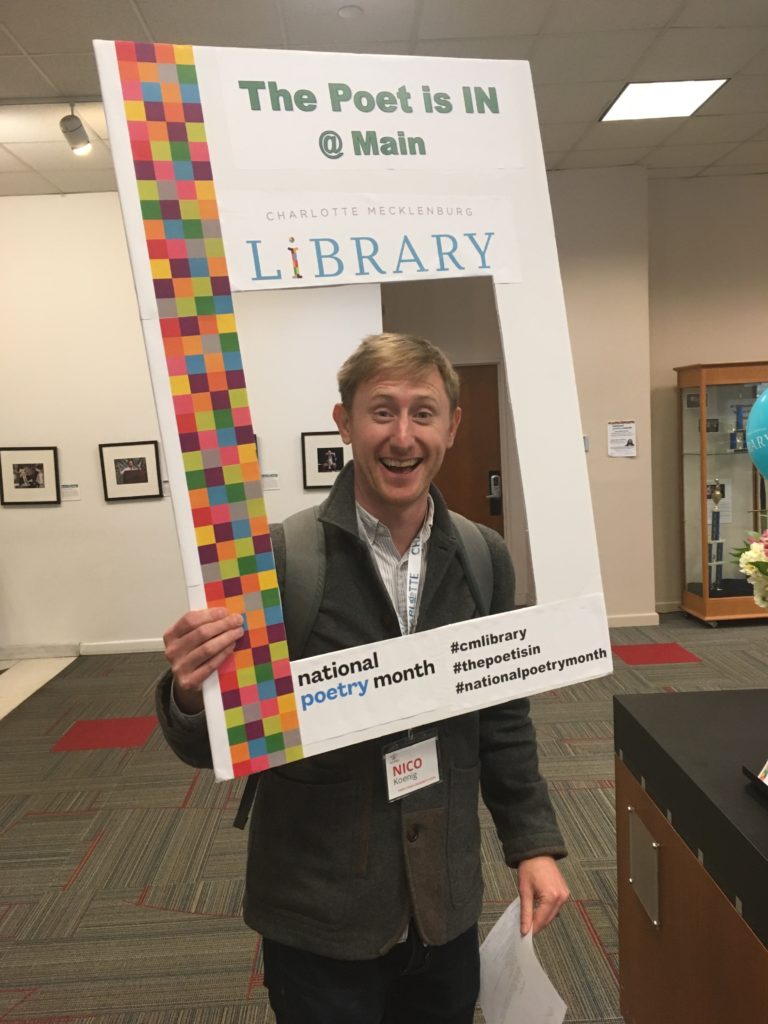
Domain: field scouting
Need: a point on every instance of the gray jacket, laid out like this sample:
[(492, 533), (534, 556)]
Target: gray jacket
[(335, 868)]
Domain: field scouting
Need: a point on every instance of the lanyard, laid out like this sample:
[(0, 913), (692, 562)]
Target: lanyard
[(413, 581)]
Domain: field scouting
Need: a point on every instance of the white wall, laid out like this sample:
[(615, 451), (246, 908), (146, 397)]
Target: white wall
[(73, 374), (602, 238), (709, 304)]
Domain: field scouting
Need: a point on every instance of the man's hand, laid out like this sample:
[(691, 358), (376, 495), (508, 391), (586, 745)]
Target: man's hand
[(195, 646), (542, 892)]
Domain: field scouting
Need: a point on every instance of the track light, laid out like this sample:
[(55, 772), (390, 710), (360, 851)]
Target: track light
[(74, 132)]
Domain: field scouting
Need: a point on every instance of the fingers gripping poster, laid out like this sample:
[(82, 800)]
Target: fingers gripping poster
[(244, 170)]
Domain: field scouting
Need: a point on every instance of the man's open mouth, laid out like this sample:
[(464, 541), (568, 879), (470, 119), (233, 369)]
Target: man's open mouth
[(400, 465)]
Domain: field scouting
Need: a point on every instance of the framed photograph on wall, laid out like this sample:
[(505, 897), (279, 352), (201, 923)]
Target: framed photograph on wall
[(29, 476), (323, 457), (131, 470)]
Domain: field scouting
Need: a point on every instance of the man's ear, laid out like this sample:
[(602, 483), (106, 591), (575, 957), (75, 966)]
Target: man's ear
[(341, 419), (455, 421)]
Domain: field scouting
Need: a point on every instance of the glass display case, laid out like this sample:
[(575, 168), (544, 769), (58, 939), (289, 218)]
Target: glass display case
[(723, 496)]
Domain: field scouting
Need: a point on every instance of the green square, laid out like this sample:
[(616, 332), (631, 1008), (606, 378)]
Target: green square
[(202, 286), (193, 228), (229, 569), (180, 150), (235, 492), (195, 479), (229, 341), (214, 247), (274, 743), (222, 418), (150, 209), (185, 306), (187, 74), (148, 190), (270, 598), (247, 565), (264, 673), (204, 305), (204, 420), (236, 734)]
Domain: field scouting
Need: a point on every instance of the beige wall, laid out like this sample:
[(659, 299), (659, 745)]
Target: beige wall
[(709, 304), (602, 237)]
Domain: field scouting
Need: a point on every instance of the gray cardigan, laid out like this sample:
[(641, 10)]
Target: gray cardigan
[(333, 867)]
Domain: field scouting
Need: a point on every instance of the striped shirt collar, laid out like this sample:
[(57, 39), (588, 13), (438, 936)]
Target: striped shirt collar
[(374, 531)]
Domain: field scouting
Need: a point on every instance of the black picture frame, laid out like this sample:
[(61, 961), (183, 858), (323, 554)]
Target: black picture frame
[(130, 470), (29, 476), (323, 456)]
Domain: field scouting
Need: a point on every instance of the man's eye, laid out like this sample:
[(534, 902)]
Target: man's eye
[(424, 415), (381, 414)]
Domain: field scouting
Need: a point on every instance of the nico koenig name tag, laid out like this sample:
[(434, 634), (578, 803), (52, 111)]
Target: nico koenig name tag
[(411, 768)]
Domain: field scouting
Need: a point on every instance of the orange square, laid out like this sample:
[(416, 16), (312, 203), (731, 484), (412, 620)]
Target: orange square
[(226, 550), (164, 53), (208, 324), (217, 381), (239, 753), (201, 401), (209, 209), (129, 70), (154, 229), (175, 112), (198, 498), (171, 92), (149, 72), (251, 471), (290, 720), (157, 131), (217, 266), (182, 287), (214, 362)]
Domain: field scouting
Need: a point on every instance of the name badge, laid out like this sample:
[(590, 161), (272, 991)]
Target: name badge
[(411, 768)]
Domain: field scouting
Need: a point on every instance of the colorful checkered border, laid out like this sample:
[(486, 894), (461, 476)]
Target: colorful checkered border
[(205, 371)]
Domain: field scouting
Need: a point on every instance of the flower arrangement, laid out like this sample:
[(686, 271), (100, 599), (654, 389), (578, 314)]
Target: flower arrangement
[(752, 560)]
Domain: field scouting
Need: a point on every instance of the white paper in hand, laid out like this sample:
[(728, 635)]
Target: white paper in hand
[(513, 986)]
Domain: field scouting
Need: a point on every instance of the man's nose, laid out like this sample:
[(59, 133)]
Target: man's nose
[(403, 430)]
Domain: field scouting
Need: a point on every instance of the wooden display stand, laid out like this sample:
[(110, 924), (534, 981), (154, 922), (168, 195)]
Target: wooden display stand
[(702, 962)]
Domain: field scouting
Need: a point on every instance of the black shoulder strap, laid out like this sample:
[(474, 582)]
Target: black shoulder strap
[(304, 582), (301, 594), (478, 564)]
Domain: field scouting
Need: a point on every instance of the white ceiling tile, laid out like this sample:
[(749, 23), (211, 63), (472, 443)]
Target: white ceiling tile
[(74, 74), (673, 172), (721, 169), (703, 128), (583, 158), (682, 53), (68, 26), (7, 44), (8, 161), (19, 78), (206, 23), (94, 119), (316, 23), (589, 57), (742, 95), (26, 183), (552, 159), (687, 156), (604, 15), (561, 136), (501, 48), (718, 13), (629, 134), (83, 181), (442, 19), (758, 65), (35, 123), (401, 47), (747, 153), (57, 156), (577, 101)]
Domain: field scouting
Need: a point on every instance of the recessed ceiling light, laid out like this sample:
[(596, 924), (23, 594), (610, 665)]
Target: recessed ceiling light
[(639, 100), (350, 11)]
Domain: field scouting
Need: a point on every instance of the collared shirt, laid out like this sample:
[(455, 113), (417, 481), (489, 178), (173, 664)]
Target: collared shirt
[(393, 568)]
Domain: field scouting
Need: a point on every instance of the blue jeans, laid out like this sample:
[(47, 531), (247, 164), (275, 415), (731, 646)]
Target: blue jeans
[(412, 984)]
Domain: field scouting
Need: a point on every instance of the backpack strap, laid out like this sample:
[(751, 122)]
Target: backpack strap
[(301, 594), (477, 563)]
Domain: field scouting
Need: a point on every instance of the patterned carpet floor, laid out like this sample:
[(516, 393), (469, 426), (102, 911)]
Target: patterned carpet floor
[(121, 876)]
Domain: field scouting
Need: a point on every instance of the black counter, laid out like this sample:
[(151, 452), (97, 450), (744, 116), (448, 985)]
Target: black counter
[(688, 750)]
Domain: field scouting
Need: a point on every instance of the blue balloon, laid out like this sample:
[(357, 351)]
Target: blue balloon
[(757, 433)]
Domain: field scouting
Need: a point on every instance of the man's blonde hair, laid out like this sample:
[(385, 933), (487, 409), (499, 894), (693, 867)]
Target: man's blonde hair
[(401, 355)]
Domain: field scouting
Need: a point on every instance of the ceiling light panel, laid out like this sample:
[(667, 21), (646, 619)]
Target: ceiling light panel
[(641, 100)]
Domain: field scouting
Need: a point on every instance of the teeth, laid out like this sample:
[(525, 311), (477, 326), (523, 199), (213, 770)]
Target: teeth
[(401, 463)]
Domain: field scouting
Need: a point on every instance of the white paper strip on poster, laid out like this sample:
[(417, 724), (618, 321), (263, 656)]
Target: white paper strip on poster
[(364, 692)]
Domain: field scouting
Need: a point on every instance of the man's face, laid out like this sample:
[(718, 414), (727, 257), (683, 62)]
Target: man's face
[(399, 431)]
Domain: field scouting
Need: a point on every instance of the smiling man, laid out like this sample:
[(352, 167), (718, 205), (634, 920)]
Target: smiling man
[(368, 902)]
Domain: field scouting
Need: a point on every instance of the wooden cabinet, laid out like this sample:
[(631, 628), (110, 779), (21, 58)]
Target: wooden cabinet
[(723, 497)]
